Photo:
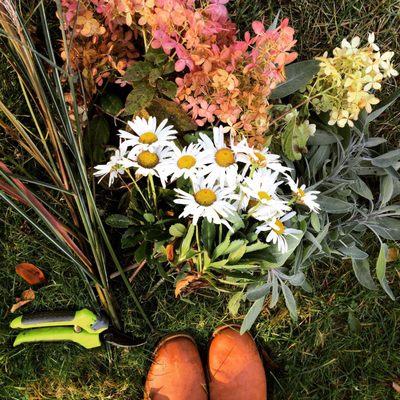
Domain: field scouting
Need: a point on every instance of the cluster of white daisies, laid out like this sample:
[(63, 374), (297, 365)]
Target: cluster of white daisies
[(226, 179)]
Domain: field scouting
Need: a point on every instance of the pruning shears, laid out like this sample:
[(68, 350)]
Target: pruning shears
[(82, 327)]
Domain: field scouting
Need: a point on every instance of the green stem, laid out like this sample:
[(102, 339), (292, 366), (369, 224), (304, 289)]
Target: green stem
[(200, 268), (138, 189), (153, 192)]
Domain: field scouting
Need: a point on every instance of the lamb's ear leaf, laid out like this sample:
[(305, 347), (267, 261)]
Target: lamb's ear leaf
[(381, 108), (274, 24), (363, 273), (252, 315), (381, 270), (290, 302), (297, 76)]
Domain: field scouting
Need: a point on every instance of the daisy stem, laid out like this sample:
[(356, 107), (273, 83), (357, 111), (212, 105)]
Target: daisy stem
[(200, 268), (138, 189), (153, 191)]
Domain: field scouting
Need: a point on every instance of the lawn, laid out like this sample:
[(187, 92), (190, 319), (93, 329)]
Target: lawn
[(346, 343)]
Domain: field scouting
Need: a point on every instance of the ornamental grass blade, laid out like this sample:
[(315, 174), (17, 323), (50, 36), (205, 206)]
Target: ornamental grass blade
[(55, 143)]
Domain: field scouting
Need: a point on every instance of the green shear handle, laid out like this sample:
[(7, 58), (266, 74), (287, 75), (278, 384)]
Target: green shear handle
[(82, 327), (85, 339)]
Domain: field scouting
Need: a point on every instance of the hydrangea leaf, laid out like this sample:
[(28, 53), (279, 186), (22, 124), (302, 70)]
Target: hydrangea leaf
[(294, 138), (163, 108), (140, 97), (138, 71)]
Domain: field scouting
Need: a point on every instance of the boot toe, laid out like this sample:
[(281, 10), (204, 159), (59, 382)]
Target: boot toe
[(235, 367), (176, 372)]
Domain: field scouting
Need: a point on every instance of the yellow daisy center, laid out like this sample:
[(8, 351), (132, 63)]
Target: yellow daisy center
[(260, 157), (205, 197), (148, 138), (147, 159), (300, 192), (264, 196), (224, 157), (186, 162), (281, 227)]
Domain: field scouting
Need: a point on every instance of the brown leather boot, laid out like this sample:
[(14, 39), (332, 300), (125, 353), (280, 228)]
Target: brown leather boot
[(176, 372), (235, 369)]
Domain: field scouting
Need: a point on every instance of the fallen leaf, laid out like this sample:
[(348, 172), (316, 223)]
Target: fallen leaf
[(396, 387), (183, 283), (169, 249), (26, 297), (30, 273), (392, 254)]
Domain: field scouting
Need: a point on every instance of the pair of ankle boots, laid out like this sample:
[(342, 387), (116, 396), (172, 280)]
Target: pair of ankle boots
[(234, 369)]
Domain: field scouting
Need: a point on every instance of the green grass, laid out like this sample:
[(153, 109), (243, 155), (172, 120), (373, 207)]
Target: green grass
[(346, 344)]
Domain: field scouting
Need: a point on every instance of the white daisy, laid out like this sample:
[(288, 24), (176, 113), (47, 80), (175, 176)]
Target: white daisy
[(260, 190), (187, 162), (277, 231), (147, 135), (209, 201), (117, 165), (303, 196), (154, 163), (221, 163), (258, 158)]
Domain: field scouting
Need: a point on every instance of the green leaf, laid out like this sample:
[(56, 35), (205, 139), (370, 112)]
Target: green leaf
[(256, 292), (119, 221), (294, 138), (354, 323), (150, 218), (167, 88), (138, 71), (318, 159), (96, 138), (234, 246), (290, 302), (323, 138), (177, 230), (142, 252), (221, 248), (387, 159), (130, 240), (156, 56), (362, 189), (333, 205), (353, 252), (315, 222), (236, 255), (386, 189), (162, 108), (252, 315), (374, 141), (207, 234), (297, 77), (381, 270), (154, 75), (187, 242), (363, 273), (111, 103), (381, 108), (234, 303), (385, 227), (140, 97), (257, 246)]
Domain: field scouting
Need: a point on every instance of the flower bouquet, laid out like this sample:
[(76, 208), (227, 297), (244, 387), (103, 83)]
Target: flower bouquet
[(239, 166)]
